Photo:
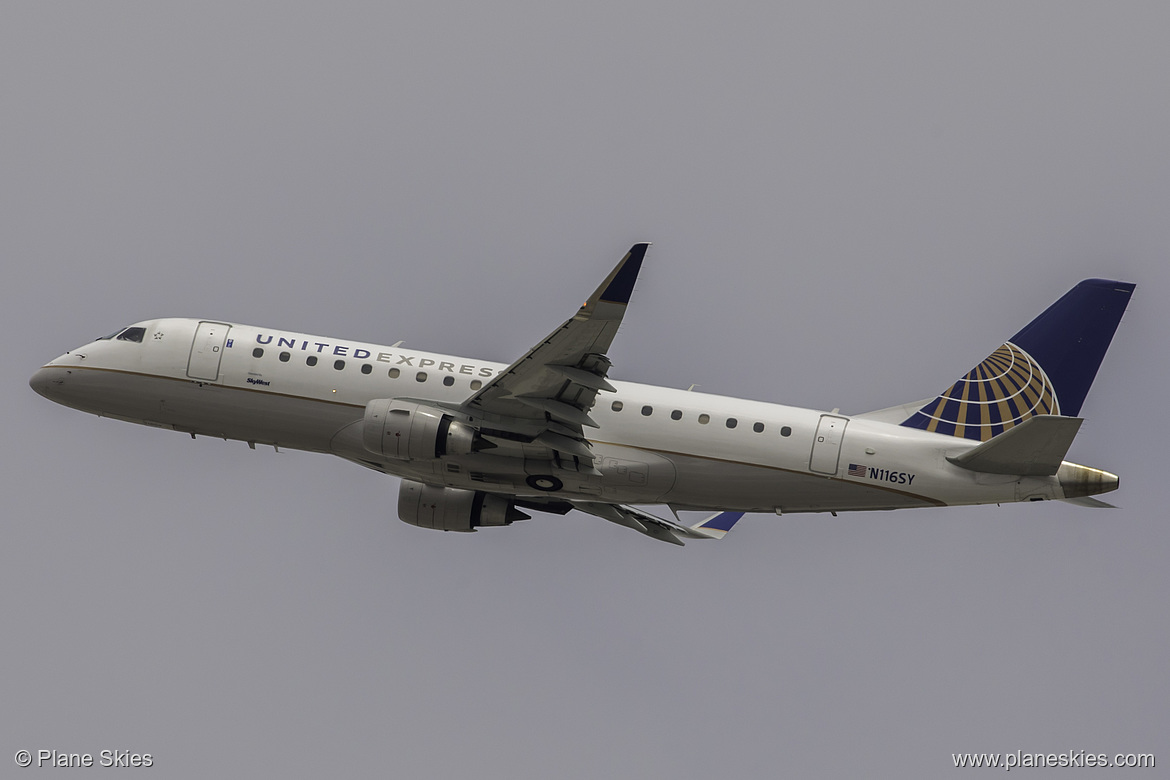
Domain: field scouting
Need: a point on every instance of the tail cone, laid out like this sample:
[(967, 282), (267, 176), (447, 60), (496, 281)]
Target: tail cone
[(1078, 481)]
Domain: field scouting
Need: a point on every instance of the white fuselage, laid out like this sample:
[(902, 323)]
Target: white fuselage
[(653, 444)]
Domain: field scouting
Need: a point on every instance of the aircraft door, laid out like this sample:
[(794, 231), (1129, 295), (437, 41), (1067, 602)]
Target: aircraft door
[(207, 350), (826, 450)]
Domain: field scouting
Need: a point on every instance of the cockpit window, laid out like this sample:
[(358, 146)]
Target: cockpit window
[(126, 334), (132, 334)]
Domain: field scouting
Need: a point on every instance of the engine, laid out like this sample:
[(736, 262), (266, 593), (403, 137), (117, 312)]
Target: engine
[(412, 431), (453, 509)]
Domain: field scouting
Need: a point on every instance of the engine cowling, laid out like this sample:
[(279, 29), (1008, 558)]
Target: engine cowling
[(408, 430), (453, 509)]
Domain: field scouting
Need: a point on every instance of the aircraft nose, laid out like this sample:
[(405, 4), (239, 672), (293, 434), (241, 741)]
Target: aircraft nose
[(46, 381)]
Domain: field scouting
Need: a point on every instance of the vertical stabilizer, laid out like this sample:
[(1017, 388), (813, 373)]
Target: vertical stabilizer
[(1046, 368)]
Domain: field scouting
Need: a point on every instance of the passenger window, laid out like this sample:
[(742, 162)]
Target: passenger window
[(284, 356), (132, 334), (448, 381), (258, 352), (367, 368), (676, 415), (421, 376), (616, 406), (758, 427), (311, 360), (394, 372), (339, 364), (476, 384), (647, 411), (704, 419), (732, 422), (785, 431)]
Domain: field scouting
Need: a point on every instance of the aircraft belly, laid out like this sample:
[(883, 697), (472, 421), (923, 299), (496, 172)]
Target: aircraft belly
[(633, 476), (203, 408), (705, 483), (295, 423)]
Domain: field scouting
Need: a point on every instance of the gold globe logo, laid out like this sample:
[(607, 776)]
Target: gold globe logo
[(999, 393)]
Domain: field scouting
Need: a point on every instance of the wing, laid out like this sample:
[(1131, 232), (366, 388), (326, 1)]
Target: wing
[(546, 395), (544, 399), (714, 527)]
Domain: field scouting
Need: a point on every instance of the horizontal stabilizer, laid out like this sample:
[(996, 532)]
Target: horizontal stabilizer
[(1089, 501), (1034, 448)]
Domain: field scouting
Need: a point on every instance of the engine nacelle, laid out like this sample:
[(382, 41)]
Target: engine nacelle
[(453, 509), (412, 431)]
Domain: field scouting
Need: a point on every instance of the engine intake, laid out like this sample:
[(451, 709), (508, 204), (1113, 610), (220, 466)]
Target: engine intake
[(453, 509), (412, 431)]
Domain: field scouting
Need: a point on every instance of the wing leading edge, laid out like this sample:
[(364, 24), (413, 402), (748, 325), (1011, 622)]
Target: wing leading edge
[(556, 382), (545, 398)]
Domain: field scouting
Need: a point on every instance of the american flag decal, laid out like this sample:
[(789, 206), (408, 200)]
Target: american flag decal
[(856, 470)]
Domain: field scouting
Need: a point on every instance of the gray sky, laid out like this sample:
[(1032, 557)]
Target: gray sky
[(850, 206)]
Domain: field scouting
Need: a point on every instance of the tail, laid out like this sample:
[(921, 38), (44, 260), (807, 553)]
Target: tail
[(1045, 369)]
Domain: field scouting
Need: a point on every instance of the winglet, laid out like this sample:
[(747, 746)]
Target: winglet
[(717, 526), (619, 285)]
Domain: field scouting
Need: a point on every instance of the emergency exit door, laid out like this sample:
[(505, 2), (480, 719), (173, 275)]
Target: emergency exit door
[(826, 450), (207, 350)]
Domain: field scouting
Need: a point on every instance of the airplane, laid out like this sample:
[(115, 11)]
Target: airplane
[(477, 443)]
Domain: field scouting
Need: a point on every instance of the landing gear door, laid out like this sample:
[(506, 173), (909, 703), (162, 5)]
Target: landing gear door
[(826, 450), (207, 350)]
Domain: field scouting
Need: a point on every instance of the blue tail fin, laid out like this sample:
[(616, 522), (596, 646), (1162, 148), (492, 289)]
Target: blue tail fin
[(1046, 368)]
